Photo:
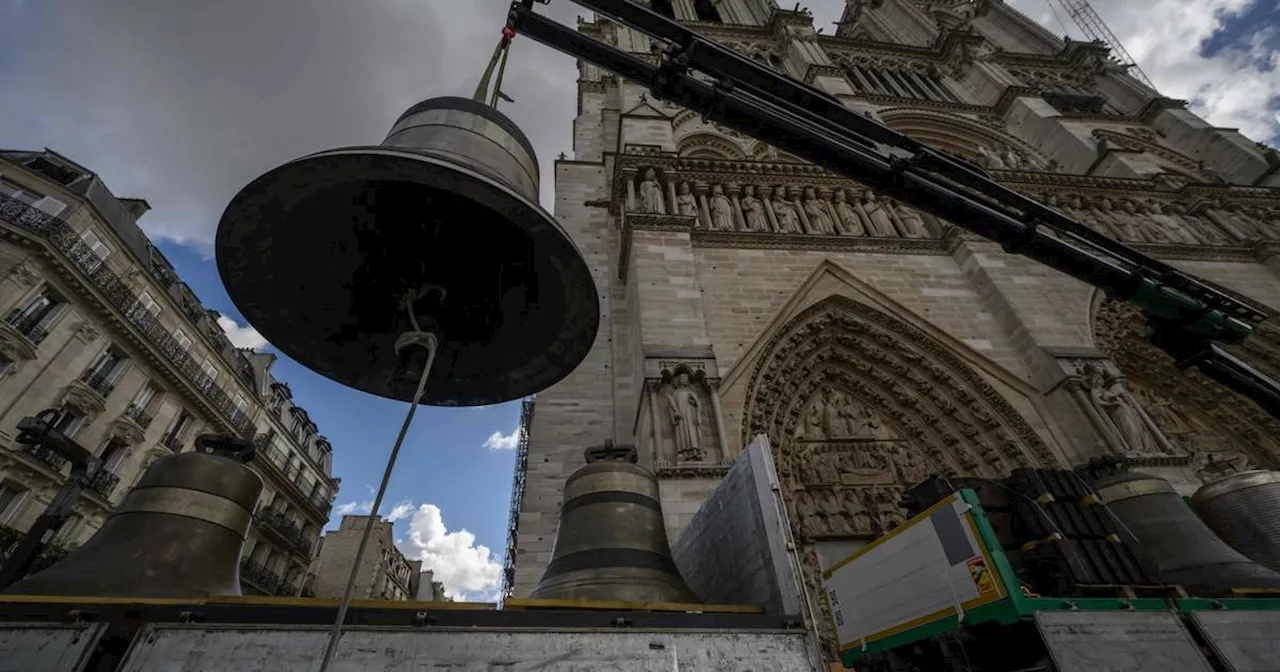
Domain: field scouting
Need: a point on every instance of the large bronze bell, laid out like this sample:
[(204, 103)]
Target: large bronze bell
[(1244, 509), (611, 543), (1186, 552), (320, 254), (178, 533)]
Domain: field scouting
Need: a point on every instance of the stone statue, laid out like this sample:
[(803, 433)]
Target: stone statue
[(910, 466), (1108, 394), (858, 422), (809, 473), (989, 159), (785, 212), (878, 214), (1123, 226), (1203, 229), (686, 420), (848, 222), (807, 514), (832, 423), (819, 219), (686, 202), (1147, 228), (1238, 228), (651, 200), (753, 211), (912, 222), (813, 420), (858, 520), (831, 511), (721, 210), (1013, 159), (1177, 231)]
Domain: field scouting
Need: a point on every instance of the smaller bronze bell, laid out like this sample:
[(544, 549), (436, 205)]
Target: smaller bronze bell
[(178, 533), (611, 543)]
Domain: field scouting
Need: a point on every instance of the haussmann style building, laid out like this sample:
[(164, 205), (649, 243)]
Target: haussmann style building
[(95, 323), (746, 292)]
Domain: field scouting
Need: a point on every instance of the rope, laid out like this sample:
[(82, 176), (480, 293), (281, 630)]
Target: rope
[(410, 338), (499, 62)]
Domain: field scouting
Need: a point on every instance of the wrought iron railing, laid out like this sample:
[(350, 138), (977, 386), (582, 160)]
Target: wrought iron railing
[(287, 529), (64, 239), (9, 539), (517, 496), (103, 483), (28, 325), (46, 455), (266, 580), (98, 381), (172, 442), (270, 455), (138, 414)]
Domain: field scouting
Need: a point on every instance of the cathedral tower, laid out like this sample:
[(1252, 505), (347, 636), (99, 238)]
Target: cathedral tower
[(746, 292)]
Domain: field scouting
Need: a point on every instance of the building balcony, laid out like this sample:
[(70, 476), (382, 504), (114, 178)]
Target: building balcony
[(99, 382), (287, 530), (9, 539), (138, 415), (103, 483), (259, 577), (46, 455), (27, 325), (61, 237), (275, 461)]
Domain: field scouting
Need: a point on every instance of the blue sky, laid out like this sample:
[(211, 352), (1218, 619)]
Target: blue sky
[(183, 103)]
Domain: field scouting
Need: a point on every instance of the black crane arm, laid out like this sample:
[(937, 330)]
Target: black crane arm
[(1184, 314)]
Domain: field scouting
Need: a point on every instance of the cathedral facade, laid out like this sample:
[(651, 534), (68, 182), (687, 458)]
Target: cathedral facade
[(746, 292)]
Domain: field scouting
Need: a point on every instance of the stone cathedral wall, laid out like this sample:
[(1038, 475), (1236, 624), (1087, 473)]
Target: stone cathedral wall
[(745, 291)]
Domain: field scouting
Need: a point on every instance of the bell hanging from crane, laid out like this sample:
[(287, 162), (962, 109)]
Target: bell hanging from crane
[(332, 255)]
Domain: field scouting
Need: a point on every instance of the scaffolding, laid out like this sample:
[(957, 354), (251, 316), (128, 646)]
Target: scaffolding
[(517, 496)]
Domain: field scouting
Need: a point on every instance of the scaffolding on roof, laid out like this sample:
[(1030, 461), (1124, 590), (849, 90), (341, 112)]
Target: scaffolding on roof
[(517, 496)]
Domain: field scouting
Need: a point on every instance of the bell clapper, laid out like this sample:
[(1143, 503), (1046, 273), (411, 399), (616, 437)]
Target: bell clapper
[(415, 338)]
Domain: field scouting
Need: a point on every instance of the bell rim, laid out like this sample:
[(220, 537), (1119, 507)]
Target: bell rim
[(1234, 483), (548, 230)]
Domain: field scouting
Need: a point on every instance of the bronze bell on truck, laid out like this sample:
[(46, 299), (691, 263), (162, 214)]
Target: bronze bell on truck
[(611, 543), (322, 254), (178, 533)]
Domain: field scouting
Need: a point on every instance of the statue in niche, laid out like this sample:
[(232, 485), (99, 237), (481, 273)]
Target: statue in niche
[(721, 210), (651, 200), (686, 202), (819, 219), (685, 416), (879, 214), (989, 159), (847, 222), (1257, 218), (1148, 228), (1124, 227), (912, 222), (1108, 394), (753, 215), (1237, 227), (786, 213)]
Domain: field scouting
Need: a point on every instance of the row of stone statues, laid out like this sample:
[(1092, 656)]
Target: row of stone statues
[(1150, 221), (782, 209), (847, 512)]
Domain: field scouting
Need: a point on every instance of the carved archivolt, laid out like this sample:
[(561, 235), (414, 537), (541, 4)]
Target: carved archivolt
[(709, 145), (1195, 413), (965, 137)]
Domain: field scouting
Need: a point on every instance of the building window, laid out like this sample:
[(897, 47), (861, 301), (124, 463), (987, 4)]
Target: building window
[(706, 10), (70, 421), (33, 319), (663, 7), (18, 193), (55, 171), (113, 454), (101, 376), (146, 303), (240, 403), (183, 340), (173, 438), (10, 501), (67, 530), (210, 369), (95, 244)]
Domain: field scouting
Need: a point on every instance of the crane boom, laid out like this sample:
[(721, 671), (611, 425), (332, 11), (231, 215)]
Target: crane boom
[(1093, 26)]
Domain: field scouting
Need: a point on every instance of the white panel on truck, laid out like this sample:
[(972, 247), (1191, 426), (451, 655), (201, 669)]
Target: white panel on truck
[(240, 648), (1119, 641), (927, 569), (47, 647), (1245, 641)]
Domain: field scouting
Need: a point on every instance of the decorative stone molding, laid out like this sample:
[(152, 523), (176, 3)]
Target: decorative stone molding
[(87, 332), (25, 275), (128, 431), (682, 471), (15, 345), (84, 398)]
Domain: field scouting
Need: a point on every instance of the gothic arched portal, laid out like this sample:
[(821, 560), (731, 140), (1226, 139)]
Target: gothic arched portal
[(1208, 421), (858, 405)]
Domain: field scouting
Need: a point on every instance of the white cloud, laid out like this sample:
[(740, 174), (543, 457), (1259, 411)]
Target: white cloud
[(401, 510), (241, 336), (357, 508), (467, 569), (500, 441)]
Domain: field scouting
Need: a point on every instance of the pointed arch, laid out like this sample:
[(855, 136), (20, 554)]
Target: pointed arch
[(953, 133), (928, 395), (1198, 414), (705, 145)]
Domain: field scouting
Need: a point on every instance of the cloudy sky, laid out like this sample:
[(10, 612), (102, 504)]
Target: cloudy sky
[(183, 102)]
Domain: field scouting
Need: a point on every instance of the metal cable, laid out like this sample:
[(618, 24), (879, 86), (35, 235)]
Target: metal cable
[(429, 341)]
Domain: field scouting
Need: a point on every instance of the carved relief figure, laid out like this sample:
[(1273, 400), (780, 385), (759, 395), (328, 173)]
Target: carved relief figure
[(848, 222), (1173, 226), (786, 213), (1107, 392), (1236, 227), (819, 219), (909, 465), (857, 519), (989, 159), (912, 222), (685, 416), (1123, 227), (878, 213), (1013, 159), (721, 210), (651, 200), (753, 214), (686, 202)]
